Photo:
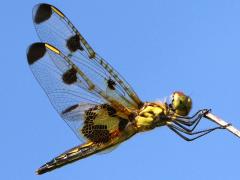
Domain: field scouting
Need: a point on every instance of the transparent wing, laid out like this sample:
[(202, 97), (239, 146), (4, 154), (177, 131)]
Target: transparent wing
[(82, 104), (54, 28)]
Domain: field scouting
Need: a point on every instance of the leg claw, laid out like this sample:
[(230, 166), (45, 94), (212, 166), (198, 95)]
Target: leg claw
[(225, 126), (205, 111), (229, 124)]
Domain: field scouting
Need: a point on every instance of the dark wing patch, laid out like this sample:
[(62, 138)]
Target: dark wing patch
[(100, 122), (111, 111), (70, 76), (43, 13), (35, 52), (96, 133), (122, 124), (69, 109), (73, 43), (111, 84)]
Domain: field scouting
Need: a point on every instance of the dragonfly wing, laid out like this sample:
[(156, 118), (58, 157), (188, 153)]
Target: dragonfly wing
[(55, 28), (79, 102)]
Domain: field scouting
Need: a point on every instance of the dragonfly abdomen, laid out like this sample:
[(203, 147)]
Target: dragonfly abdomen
[(74, 154)]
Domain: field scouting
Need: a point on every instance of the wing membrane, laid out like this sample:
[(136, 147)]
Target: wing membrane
[(54, 28)]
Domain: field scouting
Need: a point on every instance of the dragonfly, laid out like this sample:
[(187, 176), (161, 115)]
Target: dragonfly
[(93, 99)]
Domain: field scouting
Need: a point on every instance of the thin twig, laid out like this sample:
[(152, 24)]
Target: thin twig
[(222, 123)]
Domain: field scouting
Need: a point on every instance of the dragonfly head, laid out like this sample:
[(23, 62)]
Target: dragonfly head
[(180, 103)]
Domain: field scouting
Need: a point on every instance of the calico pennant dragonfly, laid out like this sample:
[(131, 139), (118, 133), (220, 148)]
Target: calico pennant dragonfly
[(94, 99)]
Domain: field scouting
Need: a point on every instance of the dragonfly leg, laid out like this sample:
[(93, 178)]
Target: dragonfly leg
[(185, 137), (188, 129), (189, 121), (183, 125), (179, 131)]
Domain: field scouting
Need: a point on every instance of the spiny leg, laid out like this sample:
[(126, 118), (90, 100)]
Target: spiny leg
[(177, 130), (197, 132), (199, 112), (187, 128), (184, 137), (189, 121)]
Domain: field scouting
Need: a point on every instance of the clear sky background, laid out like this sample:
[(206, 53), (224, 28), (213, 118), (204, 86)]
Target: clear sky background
[(159, 46)]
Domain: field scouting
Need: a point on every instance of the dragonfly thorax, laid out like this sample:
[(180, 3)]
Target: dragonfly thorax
[(149, 114)]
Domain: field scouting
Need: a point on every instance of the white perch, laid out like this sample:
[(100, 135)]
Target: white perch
[(221, 122)]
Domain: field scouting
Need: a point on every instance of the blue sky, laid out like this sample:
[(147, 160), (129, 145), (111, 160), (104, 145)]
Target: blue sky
[(159, 46)]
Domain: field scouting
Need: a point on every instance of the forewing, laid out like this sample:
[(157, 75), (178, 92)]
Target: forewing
[(54, 28)]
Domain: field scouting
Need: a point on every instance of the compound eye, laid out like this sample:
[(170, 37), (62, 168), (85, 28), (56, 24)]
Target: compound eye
[(181, 104)]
